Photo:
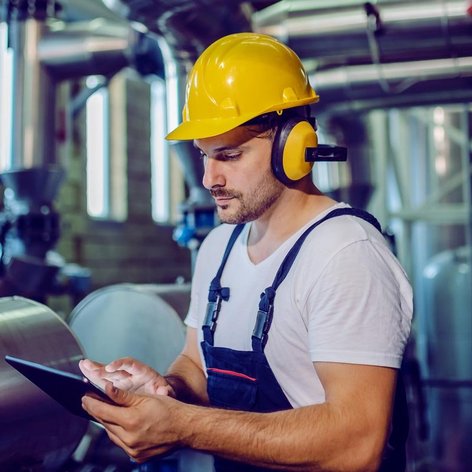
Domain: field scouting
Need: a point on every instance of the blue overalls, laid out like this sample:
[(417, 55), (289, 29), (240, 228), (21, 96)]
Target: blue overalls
[(243, 380)]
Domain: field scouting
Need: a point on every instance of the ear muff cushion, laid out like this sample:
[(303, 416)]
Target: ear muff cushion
[(288, 150)]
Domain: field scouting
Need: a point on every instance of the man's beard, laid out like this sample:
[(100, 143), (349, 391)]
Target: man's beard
[(253, 205)]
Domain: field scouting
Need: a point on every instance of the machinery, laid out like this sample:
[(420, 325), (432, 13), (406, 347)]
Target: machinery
[(45, 51)]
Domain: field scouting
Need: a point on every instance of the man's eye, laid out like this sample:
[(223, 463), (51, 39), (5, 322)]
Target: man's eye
[(230, 156)]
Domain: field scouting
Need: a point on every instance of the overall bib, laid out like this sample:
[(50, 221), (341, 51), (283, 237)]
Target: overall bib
[(243, 380)]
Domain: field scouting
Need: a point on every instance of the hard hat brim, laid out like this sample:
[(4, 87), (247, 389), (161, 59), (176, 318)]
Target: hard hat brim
[(199, 129), (204, 128)]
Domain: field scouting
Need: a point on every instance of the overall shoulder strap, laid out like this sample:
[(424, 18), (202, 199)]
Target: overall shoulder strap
[(264, 314), (216, 292)]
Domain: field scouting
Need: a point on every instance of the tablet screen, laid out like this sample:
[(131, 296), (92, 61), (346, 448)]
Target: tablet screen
[(66, 388)]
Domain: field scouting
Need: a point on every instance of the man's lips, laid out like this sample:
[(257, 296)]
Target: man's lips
[(221, 197), (222, 200)]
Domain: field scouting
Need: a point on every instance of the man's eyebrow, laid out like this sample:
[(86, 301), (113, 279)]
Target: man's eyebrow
[(221, 148)]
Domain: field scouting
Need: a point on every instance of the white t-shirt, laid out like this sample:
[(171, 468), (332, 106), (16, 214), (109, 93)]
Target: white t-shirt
[(346, 299)]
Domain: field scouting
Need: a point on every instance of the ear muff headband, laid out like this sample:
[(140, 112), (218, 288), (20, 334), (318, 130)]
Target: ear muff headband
[(288, 151)]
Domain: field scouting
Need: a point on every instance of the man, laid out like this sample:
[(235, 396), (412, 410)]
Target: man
[(299, 312)]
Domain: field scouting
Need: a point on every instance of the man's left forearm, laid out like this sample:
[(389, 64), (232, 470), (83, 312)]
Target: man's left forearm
[(314, 438)]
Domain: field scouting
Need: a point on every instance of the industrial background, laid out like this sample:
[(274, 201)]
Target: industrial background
[(101, 219)]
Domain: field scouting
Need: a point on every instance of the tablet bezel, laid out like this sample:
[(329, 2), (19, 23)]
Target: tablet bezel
[(64, 387)]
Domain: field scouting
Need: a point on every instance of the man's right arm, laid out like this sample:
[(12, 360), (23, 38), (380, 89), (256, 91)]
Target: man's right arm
[(186, 375)]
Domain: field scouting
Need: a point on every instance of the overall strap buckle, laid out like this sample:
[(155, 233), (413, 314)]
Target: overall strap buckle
[(263, 319), (215, 295)]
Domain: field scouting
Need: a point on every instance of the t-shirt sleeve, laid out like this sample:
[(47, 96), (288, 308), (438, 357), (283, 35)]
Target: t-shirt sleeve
[(192, 319), (360, 308)]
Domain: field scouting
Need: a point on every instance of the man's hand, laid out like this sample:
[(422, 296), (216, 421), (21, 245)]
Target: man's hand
[(142, 426), (127, 374)]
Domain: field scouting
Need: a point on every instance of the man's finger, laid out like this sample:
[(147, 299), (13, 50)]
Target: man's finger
[(120, 397), (130, 365), (124, 363), (89, 364)]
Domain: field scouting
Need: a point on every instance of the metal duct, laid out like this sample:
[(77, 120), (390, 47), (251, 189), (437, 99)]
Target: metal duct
[(333, 35), (375, 55), (412, 72), (397, 84), (86, 48), (188, 26), (85, 10), (37, 433)]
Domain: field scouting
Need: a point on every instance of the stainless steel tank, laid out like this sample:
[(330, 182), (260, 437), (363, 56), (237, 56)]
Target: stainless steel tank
[(447, 358), (37, 434)]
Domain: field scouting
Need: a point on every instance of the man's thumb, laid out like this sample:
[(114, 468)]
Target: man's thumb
[(118, 396)]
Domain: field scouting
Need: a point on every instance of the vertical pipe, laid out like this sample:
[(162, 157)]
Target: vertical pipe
[(466, 149), (33, 114)]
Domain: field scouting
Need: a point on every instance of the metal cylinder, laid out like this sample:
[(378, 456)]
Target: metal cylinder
[(141, 321), (38, 434), (144, 322)]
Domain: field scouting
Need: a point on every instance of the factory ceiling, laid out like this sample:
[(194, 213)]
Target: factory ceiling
[(355, 51)]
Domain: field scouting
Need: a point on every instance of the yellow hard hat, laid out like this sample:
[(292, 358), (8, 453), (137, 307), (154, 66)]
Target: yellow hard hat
[(239, 77)]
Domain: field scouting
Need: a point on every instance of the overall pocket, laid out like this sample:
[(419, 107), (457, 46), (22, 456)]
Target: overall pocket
[(230, 389)]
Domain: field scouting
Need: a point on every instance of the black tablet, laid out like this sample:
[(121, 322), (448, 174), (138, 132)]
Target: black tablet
[(66, 388)]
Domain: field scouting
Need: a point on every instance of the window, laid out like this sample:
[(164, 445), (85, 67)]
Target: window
[(106, 151), (168, 189), (97, 153), (159, 154)]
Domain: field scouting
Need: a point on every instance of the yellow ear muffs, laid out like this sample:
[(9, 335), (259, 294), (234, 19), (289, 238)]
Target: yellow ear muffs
[(288, 151)]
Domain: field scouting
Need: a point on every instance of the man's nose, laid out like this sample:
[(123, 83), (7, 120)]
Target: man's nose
[(212, 175)]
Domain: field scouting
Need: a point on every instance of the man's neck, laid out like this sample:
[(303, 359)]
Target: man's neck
[(292, 211)]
